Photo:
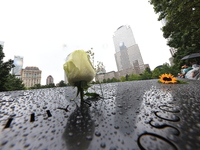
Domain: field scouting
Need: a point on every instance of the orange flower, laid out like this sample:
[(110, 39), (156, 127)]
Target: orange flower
[(167, 78)]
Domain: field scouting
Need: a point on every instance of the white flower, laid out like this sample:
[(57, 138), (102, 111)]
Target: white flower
[(79, 68)]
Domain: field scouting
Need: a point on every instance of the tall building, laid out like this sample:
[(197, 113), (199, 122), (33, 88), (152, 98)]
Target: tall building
[(172, 50), (49, 80), (31, 76), (65, 76), (18, 62), (2, 43), (128, 57)]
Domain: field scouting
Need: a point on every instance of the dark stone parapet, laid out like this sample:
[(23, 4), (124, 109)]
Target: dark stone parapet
[(131, 115)]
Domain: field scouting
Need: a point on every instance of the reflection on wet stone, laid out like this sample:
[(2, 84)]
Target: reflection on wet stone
[(79, 129)]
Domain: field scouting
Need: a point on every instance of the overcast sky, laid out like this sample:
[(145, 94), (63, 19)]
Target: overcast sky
[(44, 32)]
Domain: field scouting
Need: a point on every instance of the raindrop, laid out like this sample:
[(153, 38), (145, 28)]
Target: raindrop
[(70, 134), (89, 137), (4, 142), (78, 121), (26, 145), (116, 127), (97, 133), (103, 145), (120, 106), (113, 113), (45, 107), (12, 145), (113, 148), (78, 144)]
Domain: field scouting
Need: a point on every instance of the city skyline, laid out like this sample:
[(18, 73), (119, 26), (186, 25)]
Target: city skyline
[(45, 37)]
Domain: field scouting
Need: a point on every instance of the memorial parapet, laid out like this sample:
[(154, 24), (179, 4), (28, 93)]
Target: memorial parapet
[(131, 115)]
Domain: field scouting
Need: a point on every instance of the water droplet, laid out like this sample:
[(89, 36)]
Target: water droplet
[(120, 106), (70, 134), (103, 145), (12, 145), (25, 134), (97, 133), (89, 137), (26, 145), (53, 131), (113, 113), (45, 107), (78, 144), (78, 121), (113, 148), (4, 142), (116, 127)]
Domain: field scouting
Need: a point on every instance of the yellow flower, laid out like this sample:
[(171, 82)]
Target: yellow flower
[(167, 78), (79, 68)]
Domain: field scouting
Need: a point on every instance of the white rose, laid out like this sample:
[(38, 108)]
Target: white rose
[(79, 68)]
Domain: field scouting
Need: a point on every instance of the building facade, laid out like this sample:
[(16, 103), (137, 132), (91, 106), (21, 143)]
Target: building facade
[(128, 57), (18, 62), (31, 76), (172, 50), (49, 80), (2, 43)]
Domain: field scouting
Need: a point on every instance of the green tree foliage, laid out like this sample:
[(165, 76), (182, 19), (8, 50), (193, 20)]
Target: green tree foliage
[(36, 86), (147, 74), (182, 25), (51, 85), (133, 77), (114, 80), (156, 73), (122, 78), (104, 81), (62, 84), (13, 83), (126, 77), (5, 68), (39, 86), (108, 80), (165, 68)]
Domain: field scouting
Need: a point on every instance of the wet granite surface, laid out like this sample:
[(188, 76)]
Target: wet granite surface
[(131, 116)]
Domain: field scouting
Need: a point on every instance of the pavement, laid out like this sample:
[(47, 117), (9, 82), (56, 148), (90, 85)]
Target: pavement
[(129, 116)]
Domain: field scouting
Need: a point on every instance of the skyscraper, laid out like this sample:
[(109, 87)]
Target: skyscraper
[(172, 50), (128, 57), (18, 62), (49, 80), (2, 43)]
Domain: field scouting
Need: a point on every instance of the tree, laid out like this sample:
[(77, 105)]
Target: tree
[(122, 79), (182, 27), (5, 68), (51, 85), (126, 77), (108, 80), (104, 81), (165, 68), (100, 68), (156, 73), (133, 77), (62, 84), (114, 79), (13, 83)]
